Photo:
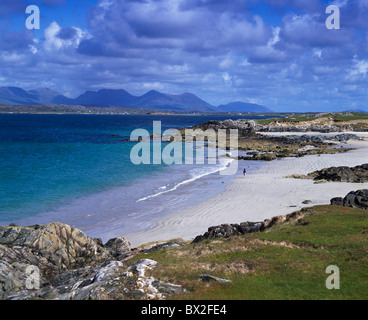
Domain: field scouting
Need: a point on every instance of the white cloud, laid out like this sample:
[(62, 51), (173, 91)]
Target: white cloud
[(317, 53), (227, 77), (153, 86), (226, 63), (254, 101), (245, 63), (359, 70), (340, 3), (54, 42), (275, 38)]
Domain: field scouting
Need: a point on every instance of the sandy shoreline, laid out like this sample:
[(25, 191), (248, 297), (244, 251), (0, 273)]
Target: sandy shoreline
[(264, 194)]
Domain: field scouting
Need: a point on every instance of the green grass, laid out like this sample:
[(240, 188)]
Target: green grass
[(288, 262), (350, 117), (293, 118)]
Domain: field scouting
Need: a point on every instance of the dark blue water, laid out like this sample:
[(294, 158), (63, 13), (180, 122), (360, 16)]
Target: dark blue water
[(77, 167)]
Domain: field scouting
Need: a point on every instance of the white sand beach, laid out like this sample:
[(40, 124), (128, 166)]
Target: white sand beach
[(261, 195)]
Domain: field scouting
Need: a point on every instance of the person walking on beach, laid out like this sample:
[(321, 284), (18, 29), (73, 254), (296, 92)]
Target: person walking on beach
[(244, 172)]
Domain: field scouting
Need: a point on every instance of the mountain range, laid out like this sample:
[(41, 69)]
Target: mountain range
[(121, 98)]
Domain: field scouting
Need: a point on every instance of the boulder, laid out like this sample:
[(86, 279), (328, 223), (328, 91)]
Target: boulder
[(207, 277), (354, 199), (119, 247), (357, 199), (338, 201)]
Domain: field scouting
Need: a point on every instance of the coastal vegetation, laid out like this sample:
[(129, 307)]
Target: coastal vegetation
[(286, 257), (286, 262), (355, 121)]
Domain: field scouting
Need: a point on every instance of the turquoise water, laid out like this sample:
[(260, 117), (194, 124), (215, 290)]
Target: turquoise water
[(76, 168)]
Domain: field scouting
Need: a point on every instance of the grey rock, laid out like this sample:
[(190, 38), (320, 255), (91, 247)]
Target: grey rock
[(358, 174), (140, 266), (228, 230), (357, 199), (354, 199), (168, 288), (119, 247), (207, 277), (165, 245), (338, 201)]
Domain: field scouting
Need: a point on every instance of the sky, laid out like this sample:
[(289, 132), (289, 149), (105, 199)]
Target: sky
[(278, 53)]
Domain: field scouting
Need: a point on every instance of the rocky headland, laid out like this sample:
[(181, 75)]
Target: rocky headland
[(267, 148), (72, 266)]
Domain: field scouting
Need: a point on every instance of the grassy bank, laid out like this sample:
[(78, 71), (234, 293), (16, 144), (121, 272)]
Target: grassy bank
[(287, 262)]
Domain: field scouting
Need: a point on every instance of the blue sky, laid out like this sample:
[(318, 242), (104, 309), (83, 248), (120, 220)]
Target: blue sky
[(278, 53)]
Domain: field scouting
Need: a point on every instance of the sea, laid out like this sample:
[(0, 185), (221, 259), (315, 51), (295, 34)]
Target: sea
[(77, 169)]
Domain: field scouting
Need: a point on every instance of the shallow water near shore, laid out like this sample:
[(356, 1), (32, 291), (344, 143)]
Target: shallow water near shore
[(76, 169)]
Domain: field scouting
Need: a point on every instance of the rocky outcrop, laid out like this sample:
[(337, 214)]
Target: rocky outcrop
[(229, 230), (56, 261), (245, 127), (354, 199), (358, 174), (250, 126), (268, 156), (343, 137), (53, 247)]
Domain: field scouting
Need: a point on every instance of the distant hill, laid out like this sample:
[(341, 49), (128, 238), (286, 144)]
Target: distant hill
[(239, 106), (44, 95), (107, 98), (14, 95), (103, 98), (184, 102), (121, 98)]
